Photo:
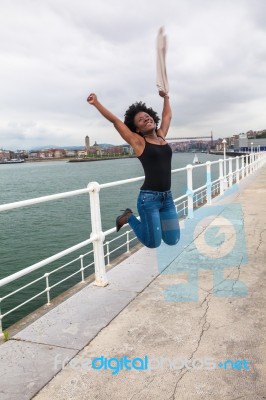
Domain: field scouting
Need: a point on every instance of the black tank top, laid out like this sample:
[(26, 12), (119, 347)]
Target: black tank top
[(156, 162)]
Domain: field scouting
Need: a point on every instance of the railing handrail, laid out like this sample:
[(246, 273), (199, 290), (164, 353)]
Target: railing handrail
[(42, 199)]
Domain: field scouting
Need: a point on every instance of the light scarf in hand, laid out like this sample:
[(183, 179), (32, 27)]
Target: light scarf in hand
[(161, 78)]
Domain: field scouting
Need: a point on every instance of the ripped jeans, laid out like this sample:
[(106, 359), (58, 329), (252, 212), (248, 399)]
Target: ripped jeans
[(158, 219)]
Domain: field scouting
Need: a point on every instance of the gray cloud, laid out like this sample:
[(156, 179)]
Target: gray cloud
[(53, 53)]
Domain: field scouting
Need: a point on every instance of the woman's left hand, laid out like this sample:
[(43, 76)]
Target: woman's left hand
[(162, 93)]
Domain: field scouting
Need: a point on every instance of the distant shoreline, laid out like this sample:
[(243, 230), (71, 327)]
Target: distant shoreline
[(71, 160), (98, 159), (78, 160), (27, 160)]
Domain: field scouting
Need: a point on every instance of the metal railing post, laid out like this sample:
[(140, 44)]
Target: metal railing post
[(1, 326), (47, 287), (190, 192), (247, 165), (196, 200), (242, 166), (128, 248), (237, 169), (97, 235), (250, 164), (108, 253), (230, 172), (209, 182), (221, 176), (82, 267)]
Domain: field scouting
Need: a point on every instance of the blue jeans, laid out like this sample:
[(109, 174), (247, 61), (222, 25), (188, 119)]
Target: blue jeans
[(158, 219)]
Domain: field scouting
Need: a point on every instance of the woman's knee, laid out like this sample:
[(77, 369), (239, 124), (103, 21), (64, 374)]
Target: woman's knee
[(172, 239), (152, 243)]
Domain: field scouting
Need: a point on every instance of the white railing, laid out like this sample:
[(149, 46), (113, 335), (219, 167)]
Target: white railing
[(102, 251)]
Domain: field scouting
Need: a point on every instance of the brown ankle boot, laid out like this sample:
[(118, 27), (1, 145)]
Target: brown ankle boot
[(123, 218)]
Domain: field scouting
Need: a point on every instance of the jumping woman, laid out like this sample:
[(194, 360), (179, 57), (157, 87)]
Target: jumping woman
[(158, 216)]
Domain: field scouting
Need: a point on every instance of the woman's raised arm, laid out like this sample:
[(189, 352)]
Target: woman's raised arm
[(129, 136), (166, 114)]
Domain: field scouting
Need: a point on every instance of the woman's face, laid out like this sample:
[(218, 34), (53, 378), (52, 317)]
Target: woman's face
[(144, 123)]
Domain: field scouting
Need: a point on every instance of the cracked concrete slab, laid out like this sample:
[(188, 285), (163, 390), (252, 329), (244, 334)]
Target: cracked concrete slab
[(76, 321), (23, 363)]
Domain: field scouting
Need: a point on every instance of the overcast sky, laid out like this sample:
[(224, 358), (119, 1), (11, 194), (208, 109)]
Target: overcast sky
[(53, 53)]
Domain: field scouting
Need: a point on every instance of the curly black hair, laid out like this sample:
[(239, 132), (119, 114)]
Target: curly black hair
[(136, 108)]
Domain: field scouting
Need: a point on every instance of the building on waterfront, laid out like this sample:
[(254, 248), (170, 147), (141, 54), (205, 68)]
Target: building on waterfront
[(4, 154), (47, 153), (246, 142), (87, 144), (22, 154), (9, 154), (82, 153), (71, 153), (241, 142), (96, 149), (190, 145)]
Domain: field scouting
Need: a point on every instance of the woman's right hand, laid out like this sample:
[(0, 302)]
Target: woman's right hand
[(92, 98)]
